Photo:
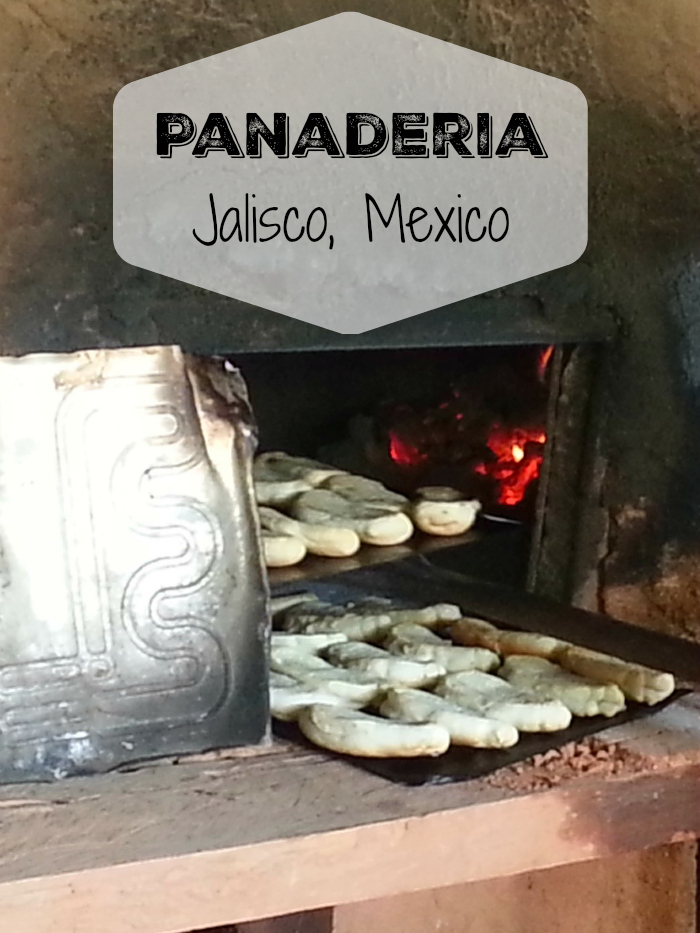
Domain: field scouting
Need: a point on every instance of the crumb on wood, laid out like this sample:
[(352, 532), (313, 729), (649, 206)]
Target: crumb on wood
[(592, 756)]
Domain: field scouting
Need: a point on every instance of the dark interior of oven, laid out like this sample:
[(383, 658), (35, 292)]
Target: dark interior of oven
[(473, 418)]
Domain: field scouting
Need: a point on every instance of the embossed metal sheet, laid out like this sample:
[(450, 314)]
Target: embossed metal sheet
[(133, 604)]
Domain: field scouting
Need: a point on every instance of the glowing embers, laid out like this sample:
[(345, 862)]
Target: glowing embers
[(519, 453), (485, 435), (403, 453)]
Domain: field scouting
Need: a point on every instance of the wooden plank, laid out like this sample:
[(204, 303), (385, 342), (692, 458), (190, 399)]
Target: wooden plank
[(180, 848), (642, 892)]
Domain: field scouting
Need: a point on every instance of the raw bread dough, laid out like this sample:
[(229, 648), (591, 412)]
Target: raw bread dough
[(305, 644), (280, 467), (282, 550), (384, 667), (353, 687), (465, 728), (444, 518), (479, 633), (475, 633), (287, 701), (325, 541), (353, 733), (279, 493), (412, 633), (367, 621), (361, 489), (639, 683), (492, 697), (357, 623), (420, 643), (584, 697), (374, 524), (453, 658), (279, 604)]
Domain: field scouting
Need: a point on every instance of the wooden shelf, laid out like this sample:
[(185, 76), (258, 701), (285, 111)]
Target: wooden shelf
[(216, 840)]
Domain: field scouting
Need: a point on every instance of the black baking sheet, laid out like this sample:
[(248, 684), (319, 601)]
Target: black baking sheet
[(414, 582), (466, 764)]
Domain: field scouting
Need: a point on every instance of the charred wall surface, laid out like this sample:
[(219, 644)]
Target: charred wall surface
[(62, 286)]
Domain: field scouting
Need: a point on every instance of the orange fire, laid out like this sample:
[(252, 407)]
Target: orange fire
[(403, 453), (543, 362), (519, 454)]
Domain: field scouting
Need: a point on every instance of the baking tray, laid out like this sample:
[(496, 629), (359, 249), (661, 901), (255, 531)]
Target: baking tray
[(416, 582), (466, 764)]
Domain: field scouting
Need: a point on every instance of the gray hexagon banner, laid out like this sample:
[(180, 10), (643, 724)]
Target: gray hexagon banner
[(350, 173)]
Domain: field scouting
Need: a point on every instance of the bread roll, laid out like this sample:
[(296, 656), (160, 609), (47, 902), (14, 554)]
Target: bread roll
[(373, 524), (464, 728), (282, 550), (639, 683), (384, 667), (584, 697), (280, 467), (492, 697), (361, 489), (324, 541), (353, 733)]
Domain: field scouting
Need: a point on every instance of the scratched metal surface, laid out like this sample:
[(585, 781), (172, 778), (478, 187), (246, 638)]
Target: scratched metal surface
[(132, 615)]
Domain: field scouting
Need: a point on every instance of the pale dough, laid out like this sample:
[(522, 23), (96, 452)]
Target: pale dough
[(639, 683), (279, 493), (384, 667), (354, 733), (584, 697), (282, 550), (361, 489), (444, 519), (277, 466), (465, 728), (372, 523), (305, 644), (318, 539), (287, 701), (492, 697), (453, 658), (357, 624), (368, 621), (478, 633)]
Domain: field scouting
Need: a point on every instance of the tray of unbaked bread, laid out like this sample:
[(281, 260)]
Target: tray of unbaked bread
[(371, 667)]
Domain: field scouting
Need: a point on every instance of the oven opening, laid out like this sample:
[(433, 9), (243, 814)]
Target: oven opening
[(473, 419)]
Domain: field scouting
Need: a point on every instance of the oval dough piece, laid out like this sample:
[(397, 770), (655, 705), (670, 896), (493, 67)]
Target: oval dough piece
[(373, 524), (282, 550), (361, 489), (384, 667), (353, 733), (277, 466), (479, 633), (492, 697), (444, 519), (288, 701), (548, 681), (367, 621), (279, 493), (412, 633), (639, 683), (438, 494), (320, 540), (354, 687), (465, 728), (305, 644), (453, 658), (356, 624), (475, 633)]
